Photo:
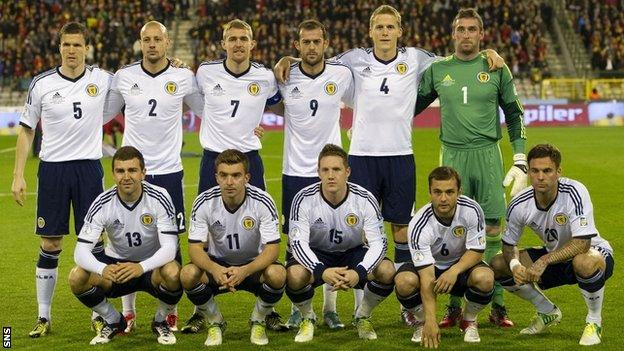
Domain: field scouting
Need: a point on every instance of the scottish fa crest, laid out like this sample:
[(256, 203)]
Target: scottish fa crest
[(171, 88), (92, 90), (459, 231), (147, 219), (401, 68), (331, 88), (253, 88), (483, 77), (248, 223), (352, 220), (561, 219)]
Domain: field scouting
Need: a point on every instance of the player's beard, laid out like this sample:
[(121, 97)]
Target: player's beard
[(155, 60), (313, 62), (474, 48)]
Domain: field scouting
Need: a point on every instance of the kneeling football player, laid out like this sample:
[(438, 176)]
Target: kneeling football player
[(337, 237), (142, 239), (559, 210), (447, 240), (239, 223)]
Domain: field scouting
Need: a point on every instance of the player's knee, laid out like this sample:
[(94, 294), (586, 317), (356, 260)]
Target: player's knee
[(78, 279), (406, 283), (297, 277), (499, 266), (482, 279), (170, 272), (52, 243), (586, 264), (275, 276), (384, 273), (189, 276)]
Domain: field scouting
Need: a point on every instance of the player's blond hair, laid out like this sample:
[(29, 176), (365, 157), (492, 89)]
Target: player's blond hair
[(237, 23), (385, 10)]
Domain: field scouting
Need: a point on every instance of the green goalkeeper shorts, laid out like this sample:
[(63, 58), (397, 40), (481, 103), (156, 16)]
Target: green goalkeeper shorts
[(481, 172)]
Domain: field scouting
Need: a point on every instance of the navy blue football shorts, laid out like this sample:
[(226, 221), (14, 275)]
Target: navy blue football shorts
[(64, 184), (391, 179)]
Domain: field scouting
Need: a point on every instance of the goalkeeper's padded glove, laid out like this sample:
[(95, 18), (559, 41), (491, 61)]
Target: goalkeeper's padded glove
[(517, 174)]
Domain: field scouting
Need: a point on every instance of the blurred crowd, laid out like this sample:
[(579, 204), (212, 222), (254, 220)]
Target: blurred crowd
[(511, 27), (601, 26), (28, 42)]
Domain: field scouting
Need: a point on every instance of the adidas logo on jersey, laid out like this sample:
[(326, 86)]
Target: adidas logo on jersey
[(135, 90), (217, 90), (57, 98), (319, 220), (295, 93), (367, 71), (448, 81)]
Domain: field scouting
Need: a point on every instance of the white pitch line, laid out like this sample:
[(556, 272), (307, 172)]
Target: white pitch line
[(3, 151)]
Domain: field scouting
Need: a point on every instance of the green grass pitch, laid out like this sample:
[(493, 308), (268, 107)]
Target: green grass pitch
[(591, 155)]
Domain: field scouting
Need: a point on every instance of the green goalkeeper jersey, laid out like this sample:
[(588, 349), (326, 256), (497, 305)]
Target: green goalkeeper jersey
[(469, 99)]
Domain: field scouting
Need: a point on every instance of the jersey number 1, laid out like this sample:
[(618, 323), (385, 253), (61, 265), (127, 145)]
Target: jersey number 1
[(465, 91)]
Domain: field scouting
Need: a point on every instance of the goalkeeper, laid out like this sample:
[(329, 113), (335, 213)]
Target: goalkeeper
[(470, 97)]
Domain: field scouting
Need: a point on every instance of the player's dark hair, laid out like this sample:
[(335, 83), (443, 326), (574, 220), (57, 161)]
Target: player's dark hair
[(311, 24), (468, 13), (73, 28), (334, 150), (232, 157), (444, 173), (545, 150), (126, 153)]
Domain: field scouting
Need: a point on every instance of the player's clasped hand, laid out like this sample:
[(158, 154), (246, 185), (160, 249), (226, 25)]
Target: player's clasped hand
[(431, 334), (519, 275), (220, 276), (534, 273), (445, 282), (122, 272), (236, 275)]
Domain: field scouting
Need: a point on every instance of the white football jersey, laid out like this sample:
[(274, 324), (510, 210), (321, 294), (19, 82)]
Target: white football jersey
[(312, 115), (432, 242), (234, 237), (317, 224), (233, 105), (153, 112), (134, 232), (384, 99), (570, 216), (70, 111)]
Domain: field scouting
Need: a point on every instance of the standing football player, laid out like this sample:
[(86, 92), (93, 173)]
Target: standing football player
[(153, 93), (69, 101), (312, 100), (235, 90), (470, 97)]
